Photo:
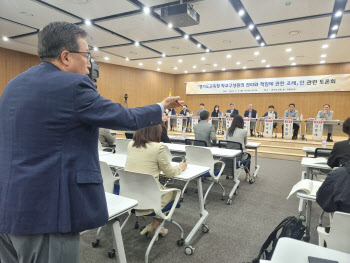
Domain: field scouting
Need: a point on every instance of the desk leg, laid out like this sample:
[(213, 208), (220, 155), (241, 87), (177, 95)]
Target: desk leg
[(236, 183), (201, 222), (308, 220), (256, 166), (117, 236)]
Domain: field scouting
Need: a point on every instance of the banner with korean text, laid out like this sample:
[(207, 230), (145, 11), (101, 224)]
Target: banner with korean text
[(320, 83)]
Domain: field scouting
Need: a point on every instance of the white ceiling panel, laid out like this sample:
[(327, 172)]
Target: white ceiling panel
[(347, 7), (150, 3), (228, 40), (344, 29), (15, 45), (132, 52), (308, 29), (36, 15), (262, 11), (98, 37), (29, 40), (91, 9), (139, 27), (175, 46), (10, 29)]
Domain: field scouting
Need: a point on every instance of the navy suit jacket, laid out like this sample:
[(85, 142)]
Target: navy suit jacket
[(246, 113), (50, 178), (235, 112)]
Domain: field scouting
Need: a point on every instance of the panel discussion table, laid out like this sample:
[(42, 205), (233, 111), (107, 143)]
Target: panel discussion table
[(249, 145), (117, 206), (289, 250), (192, 172), (310, 164)]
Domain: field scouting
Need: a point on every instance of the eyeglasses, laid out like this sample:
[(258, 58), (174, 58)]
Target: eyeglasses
[(88, 57)]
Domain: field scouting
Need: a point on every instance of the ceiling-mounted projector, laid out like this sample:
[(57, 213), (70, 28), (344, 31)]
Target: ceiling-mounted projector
[(181, 15)]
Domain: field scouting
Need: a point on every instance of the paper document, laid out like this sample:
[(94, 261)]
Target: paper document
[(306, 186)]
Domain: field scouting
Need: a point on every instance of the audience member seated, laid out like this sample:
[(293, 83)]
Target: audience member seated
[(293, 114), (164, 136), (251, 113), (341, 150), (147, 155), (185, 111), (232, 111), (216, 112), (334, 194), (203, 130), (201, 108), (236, 133), (326, 114), (271, 114), (106, 138)]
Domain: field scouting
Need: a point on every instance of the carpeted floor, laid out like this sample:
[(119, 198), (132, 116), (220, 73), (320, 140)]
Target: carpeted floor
[(237, 231)]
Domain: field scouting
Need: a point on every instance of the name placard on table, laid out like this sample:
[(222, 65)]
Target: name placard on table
[(288, 129), (179, 123), (268, 128), (194, 121), (228, 122), (317, 130), (246, 124)]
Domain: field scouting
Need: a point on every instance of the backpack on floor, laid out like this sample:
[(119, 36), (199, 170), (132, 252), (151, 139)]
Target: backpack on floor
[(289, 227)]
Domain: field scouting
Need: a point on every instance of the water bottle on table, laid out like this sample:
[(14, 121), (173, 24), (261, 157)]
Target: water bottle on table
[(324, 142)]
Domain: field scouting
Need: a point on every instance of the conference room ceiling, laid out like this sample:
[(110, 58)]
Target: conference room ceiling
[(122, 33)]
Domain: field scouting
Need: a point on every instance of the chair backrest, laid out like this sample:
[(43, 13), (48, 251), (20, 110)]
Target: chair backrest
[(129, 134), (199, 156), (108, 178), (100, 148), (322, 152), (196, 142), (339, 234), (170, 156), (121, 146), (138, 186), (230, 145)]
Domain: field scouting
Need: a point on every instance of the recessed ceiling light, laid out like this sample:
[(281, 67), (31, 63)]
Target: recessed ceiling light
[(5, 38), (323, 56), (228, 56), (257, 37), (322, 61), (199, 45), (106, 58), (339, 13), (263, 61), (186, 36), (163, 55), (202, 58), (291, 58), (267, 66), (140, 64), (332, 36), (226, 41), (186, 71), (238, 63), (87, 22), (159, 62), (207, 50), (158, 69), (223, 69), (26, 13), (262, 44), (194, 66), (215, 65), (335, 27), (293, 64), (170, 25), (288, 3), (324, 46), (146, 10), (180, 60), (288, 49), (241, 12), (251, 26), (137, 43), (95, 48), (175, 68), (127, 59), (256, 53), (294, 32), (244, 67), (203, 70)]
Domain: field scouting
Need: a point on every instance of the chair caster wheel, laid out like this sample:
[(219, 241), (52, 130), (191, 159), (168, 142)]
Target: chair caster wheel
[(95, 243), (137, 226), (229, 202), (185, 191), (189, 250), (251, 180), (227, 177), (181, 199), (302, 218), (205, 229), (235, 193), (223, 198), (142, 228), (111, 254), (180, 242)]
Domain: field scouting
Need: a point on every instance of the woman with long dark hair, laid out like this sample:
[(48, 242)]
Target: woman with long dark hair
[(216, 112), (164, 137), (236, 133)]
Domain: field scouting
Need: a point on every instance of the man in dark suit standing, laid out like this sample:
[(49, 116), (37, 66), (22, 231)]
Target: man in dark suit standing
[(341, 150), (232, 111), (50, 180), (251, 113)]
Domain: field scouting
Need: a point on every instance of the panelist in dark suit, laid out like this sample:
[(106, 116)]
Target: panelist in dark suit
[(341, 150), (50, 180), (232, 111), (251, 113)]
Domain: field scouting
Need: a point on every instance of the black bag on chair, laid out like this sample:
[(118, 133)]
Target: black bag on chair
[(289, 227)]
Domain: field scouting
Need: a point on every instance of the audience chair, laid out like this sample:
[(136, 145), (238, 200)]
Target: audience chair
[(196, 142), (129, 135), (203, 157), (121, 146), (338, 237), (322, 152), (105, 149), (144, 188)]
